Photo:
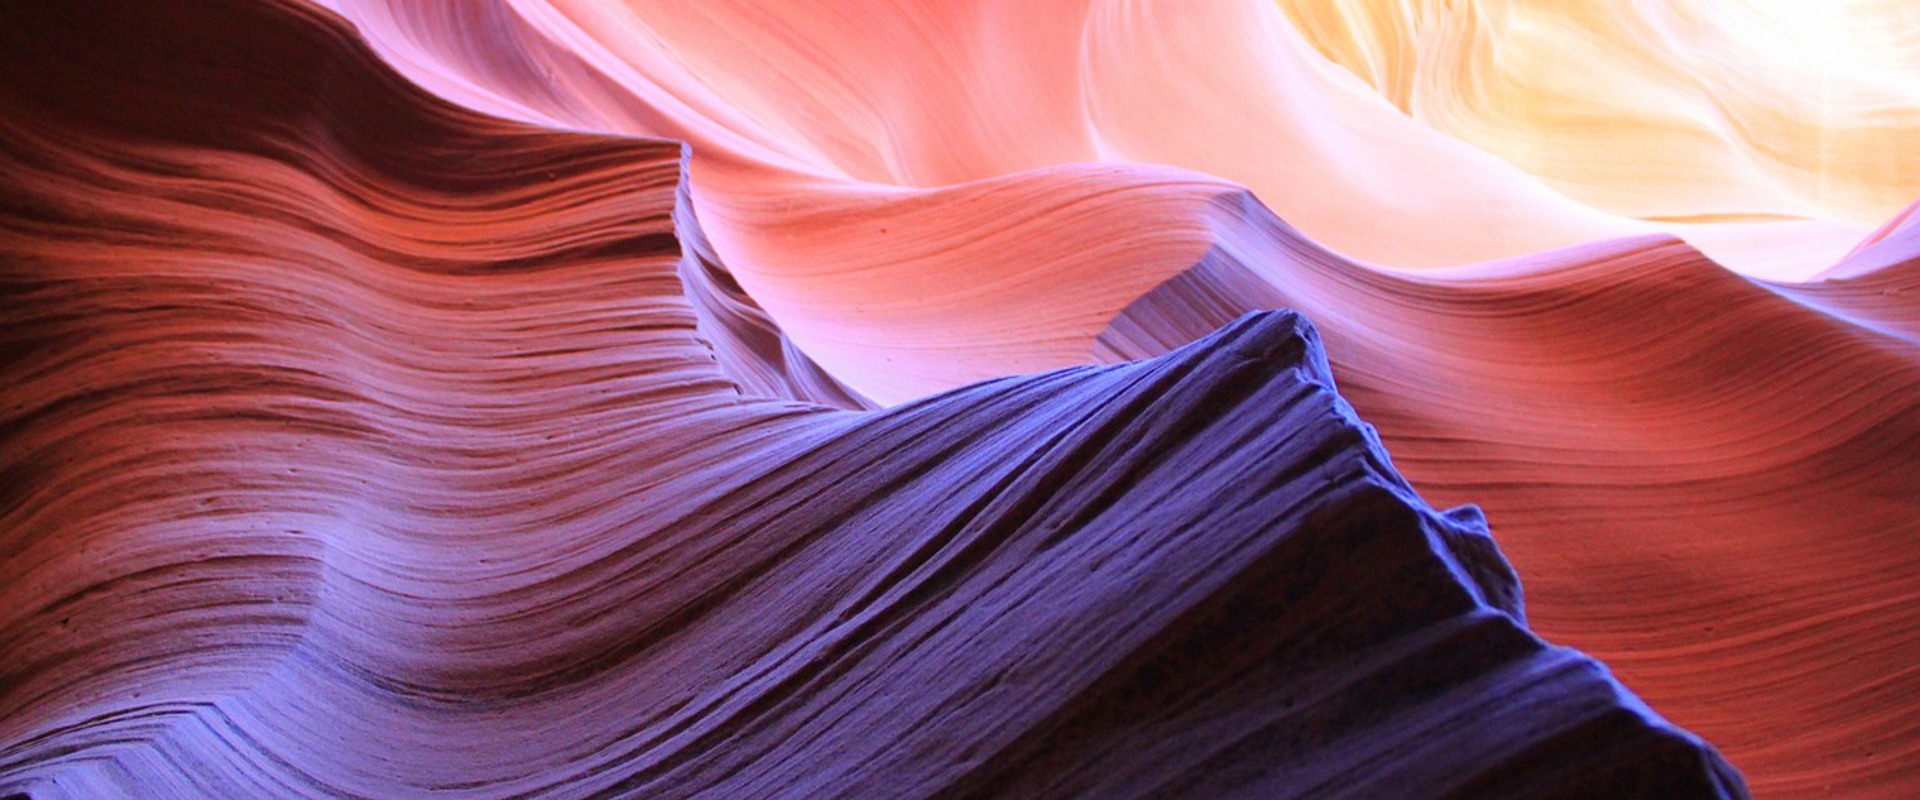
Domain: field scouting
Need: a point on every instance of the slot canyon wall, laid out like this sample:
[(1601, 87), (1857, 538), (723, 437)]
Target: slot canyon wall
[(1078, 398)]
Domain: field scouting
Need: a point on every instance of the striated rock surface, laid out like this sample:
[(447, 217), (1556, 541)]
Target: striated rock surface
[(1636, 278), (1710, 483), (356, 445)]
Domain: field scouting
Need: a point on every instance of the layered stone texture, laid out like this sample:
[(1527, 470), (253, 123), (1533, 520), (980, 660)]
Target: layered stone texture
[(357, 445)]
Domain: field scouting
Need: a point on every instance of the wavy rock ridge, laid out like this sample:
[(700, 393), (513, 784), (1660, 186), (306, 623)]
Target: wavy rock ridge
[(1683, 463), (356, 445), (1621, 273)]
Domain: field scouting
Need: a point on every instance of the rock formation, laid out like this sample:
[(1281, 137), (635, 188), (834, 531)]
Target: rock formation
[(576, 398)]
